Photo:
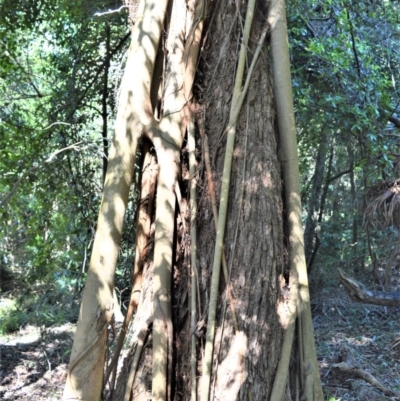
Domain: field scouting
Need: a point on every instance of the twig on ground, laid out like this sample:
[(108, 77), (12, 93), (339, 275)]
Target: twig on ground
[(362, 374)]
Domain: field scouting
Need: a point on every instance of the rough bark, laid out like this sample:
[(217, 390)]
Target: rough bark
[(254, 212), (254, 224)]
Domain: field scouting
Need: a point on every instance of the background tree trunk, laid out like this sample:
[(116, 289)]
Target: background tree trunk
[(310, 232)]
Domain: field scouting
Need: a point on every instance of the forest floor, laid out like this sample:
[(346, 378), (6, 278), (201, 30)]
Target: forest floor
[(33, 361), (365, 337)]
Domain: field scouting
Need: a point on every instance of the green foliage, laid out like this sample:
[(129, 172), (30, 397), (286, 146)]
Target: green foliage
[(7, 305), (41, 305), (52, 61), (345, 69), (59, 71), (12, 322)]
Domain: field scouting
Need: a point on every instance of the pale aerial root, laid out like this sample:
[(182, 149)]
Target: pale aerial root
[(300, 299)]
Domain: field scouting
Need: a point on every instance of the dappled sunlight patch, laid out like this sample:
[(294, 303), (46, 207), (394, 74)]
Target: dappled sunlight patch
[(267, 180), (231, 371), (25, 335), (252, 185), (238, 151), (284, 311), (339, 338), (34, 363), (285, 308), (254, 345), (362, 340), (265, 175)]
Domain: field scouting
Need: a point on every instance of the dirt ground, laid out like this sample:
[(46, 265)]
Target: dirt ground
[(367, 338), (33, 361)]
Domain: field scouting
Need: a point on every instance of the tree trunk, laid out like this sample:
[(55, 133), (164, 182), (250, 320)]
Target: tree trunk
[(255, 291), (245, 362), (321, 210), (311, 231)]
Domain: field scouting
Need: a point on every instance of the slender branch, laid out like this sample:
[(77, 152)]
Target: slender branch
[(363, 374), (13, 99), (353, 42), (233, 117), (335, 177), (310, 262), (104, 97), (396, 121), (99, 14), (54, 154), (56, 123), (213, 198), (228, 272)]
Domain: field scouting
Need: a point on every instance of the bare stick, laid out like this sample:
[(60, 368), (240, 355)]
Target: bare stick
[(211, 191), (193, 250), (361, 373)]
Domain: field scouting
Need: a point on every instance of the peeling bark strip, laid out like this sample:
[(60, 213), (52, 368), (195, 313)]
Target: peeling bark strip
[(194, 282), (143, 225)]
